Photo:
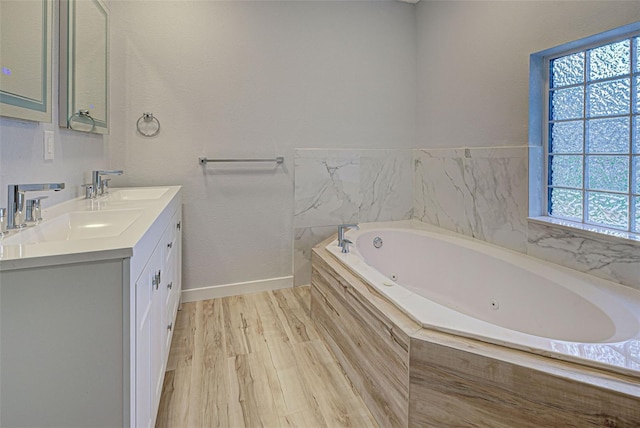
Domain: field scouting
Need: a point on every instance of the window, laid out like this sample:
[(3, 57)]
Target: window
[(591, 132)]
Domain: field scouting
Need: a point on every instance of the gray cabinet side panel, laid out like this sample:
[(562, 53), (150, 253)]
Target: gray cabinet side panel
[(61, 346)]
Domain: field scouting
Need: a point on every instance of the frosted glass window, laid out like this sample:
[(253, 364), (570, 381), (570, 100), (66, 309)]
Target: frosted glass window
[(636, 94), (608, 209), (636, 57), (565, 171), (636, 134), (608, 135), (567, 70), (566, 137), (637, 213), (593, 134), (635, 184), (566, 203), (567, 103), (608, 98), (610, 60), (608, 173)]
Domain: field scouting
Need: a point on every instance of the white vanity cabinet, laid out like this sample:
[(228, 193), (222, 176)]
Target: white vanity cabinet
[(157, 295), (86, 327)]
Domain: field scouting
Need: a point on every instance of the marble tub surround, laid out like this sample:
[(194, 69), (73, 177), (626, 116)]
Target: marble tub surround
[(339, 186), (598, 254), (478, 192), (455, 381)]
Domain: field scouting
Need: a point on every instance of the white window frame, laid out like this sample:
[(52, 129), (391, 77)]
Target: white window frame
[(539, 121)]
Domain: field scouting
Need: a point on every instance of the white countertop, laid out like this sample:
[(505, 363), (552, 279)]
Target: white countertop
[(19, 249)]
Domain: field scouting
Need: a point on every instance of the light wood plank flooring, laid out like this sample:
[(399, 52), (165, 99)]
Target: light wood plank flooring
[(255, 361)]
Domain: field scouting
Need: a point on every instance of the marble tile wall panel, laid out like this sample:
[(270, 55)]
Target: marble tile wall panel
[(327, 187), (386, 182), (603, 257), (478, 192), (333, 187)]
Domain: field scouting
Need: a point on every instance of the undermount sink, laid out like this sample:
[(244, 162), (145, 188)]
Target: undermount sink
[(76, 226), (137, 194)]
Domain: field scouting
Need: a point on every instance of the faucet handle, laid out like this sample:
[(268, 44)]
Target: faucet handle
[(88, 190), (345, 245), (34, 209), (105, 186), (3, 221)]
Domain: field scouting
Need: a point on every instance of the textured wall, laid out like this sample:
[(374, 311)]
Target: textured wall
[(473, 63), (253, 79)]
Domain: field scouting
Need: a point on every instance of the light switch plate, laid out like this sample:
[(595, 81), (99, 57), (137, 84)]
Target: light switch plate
[(49, 140)]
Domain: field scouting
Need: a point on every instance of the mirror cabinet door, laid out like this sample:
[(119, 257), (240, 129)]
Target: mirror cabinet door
[(84, 62), (25, 59)]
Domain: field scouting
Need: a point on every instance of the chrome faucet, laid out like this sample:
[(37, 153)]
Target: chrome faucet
[(342, 242), (100, 185), (16, 215)]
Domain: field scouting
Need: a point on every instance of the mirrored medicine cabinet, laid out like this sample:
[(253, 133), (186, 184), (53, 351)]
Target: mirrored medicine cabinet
[(84, 64), (25, 59)]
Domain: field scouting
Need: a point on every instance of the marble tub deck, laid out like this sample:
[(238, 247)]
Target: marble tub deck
[(411, 376)]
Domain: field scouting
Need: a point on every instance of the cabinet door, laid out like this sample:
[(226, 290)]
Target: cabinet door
[(144, 318), (157, 357), (177, 261), (149, 374), (171, 299)]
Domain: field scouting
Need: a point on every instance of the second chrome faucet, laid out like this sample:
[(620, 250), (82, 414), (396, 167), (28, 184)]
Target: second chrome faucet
[(99, 186)]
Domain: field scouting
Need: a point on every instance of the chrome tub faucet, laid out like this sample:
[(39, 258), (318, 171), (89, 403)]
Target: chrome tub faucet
[(342, 241)]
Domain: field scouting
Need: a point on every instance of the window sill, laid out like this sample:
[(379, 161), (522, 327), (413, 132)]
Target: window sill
[(596, 232)]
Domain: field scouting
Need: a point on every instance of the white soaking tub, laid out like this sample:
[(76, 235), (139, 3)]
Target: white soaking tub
[(466, 287)]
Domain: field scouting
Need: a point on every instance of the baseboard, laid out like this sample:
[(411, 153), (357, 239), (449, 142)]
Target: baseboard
[(205, 293)]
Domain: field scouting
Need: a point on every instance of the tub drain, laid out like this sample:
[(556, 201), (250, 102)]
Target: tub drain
[(494, 304), (377, 242)]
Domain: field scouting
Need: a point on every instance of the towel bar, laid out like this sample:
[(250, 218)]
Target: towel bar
[(278, 160)]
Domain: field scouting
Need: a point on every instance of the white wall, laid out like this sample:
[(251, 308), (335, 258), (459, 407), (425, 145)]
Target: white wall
[(253, 79), (21, 153), (473, 62)]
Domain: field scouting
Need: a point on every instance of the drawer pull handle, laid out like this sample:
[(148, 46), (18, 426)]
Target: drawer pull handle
[(158, 279), (170, 245), (170, 285), (178, 226), (170, 326)]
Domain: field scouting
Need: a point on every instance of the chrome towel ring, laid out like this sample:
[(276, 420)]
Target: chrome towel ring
[(84, 114), (148, 125)]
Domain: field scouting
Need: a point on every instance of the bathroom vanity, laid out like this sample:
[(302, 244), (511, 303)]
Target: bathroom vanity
[(88, 301)]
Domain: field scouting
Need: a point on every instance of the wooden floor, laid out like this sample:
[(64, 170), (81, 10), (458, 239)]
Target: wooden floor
[(255, 361)]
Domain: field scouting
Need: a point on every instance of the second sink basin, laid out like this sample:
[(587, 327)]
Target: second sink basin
[(76, 225), (137, 193)]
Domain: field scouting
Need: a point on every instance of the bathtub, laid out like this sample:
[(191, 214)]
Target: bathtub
[(457, 285)]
